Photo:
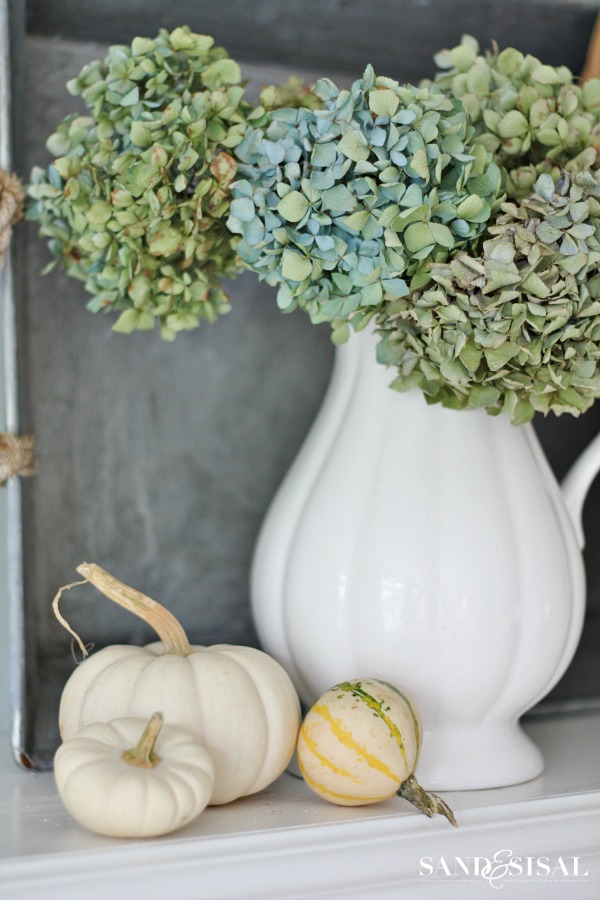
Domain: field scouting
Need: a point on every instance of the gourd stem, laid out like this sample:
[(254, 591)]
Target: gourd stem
[(143, 755), (170, 632), (430, 804)]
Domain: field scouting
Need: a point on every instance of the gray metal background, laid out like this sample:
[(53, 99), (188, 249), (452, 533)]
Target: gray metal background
[(158, 461)]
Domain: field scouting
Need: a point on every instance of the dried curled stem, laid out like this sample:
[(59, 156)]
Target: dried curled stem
[(168, 629)]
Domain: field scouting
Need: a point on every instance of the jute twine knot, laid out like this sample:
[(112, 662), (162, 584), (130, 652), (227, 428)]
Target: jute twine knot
[(12, 199), (17, 456)]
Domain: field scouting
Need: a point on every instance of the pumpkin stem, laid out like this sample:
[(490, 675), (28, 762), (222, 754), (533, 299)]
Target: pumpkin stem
[(430, 804), (143, 754), (170, 632)]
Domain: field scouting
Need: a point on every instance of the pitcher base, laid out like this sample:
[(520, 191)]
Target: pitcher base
[(466, 759)]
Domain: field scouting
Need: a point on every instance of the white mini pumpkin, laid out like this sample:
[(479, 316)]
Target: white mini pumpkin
[(122, 779), (238, 701), (359, 744)]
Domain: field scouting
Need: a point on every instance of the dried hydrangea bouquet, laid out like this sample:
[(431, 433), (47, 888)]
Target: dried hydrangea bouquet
[(345, 207), (454, 223)]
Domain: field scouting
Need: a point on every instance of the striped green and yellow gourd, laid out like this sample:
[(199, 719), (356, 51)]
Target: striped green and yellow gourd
[(359, 744)]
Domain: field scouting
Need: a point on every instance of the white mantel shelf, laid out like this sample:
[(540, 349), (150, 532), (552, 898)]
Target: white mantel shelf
[(285, 843)]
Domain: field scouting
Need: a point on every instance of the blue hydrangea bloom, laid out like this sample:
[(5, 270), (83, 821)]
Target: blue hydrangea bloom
[(345, 206)]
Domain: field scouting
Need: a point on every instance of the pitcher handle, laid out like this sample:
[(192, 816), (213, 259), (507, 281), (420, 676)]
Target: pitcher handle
[(577, 482)]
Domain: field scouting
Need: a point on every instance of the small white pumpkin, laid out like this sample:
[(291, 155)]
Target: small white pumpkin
[(238, 702), (125, 780), (359, 744)]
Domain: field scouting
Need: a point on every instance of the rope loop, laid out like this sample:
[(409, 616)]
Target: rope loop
[(12, 201), (17, 456)]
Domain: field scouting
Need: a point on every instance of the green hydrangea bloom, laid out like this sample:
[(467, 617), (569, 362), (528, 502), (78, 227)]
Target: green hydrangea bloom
[(135, 202), (517, 327), (533, 117)]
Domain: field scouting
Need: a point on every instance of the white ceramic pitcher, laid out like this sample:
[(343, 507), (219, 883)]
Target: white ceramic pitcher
[(433, 549)]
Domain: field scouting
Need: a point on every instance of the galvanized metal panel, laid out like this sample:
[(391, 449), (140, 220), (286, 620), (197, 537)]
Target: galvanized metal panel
[(14, 651), (397, 36), (156, 460)]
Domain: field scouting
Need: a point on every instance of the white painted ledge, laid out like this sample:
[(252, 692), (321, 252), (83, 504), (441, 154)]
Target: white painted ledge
[(285, 843)]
